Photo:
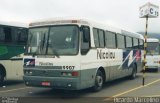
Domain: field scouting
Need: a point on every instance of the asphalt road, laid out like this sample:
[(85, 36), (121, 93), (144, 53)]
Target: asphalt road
[(17, 92)]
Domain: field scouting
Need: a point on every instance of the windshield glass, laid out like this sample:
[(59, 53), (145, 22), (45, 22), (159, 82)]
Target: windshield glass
[(53, 40), (152, 48), (37, 40)]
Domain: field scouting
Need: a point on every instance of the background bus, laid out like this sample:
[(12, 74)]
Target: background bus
[(153, 57), (77, 54), (13, 38)]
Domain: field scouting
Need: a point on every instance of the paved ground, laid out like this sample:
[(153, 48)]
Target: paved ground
[(112, 91)]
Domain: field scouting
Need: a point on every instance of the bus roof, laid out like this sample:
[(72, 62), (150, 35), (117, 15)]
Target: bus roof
[(152, 40), (61, 21), (57, 22), (14, 24)]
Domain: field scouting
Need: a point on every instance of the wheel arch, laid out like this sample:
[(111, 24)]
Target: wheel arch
[(103, 72), (135, 66), (3, 69)]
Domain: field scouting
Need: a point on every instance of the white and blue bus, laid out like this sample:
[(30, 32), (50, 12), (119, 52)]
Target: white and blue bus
[(77, 54), (153, 54), (13, 37)]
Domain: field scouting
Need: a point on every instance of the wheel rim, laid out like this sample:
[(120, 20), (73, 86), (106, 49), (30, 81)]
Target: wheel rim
[(134, 73), (99, 80)]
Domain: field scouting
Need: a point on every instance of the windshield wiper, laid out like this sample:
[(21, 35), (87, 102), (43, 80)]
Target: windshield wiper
[(41, 45), (43, 41), (28, 47), (53, 50)]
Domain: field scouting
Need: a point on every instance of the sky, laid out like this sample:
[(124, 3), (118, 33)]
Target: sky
[(118, 13)]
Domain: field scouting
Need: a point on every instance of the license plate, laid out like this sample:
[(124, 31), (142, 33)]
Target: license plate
[(45, 84)]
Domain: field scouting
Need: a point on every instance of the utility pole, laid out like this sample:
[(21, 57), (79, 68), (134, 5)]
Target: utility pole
[(147, 11)]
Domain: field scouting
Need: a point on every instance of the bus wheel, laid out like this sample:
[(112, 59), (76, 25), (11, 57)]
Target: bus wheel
[(1, 77), (134, 72), (98, 81)]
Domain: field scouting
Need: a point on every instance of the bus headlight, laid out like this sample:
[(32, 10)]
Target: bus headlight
[(74, 73), (28, 72)]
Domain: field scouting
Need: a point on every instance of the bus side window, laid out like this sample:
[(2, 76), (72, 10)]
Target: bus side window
[(129, 43), (2, 34), (96, 37), (85, 40), (141, 44), (135, 43), (101, 38), (110, 39), (22, 35), (120, 41), (8, 36)]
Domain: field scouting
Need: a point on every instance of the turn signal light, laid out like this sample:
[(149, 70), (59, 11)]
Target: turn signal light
[(75, 73)]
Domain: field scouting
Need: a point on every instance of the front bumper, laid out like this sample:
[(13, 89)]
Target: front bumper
[(54, 82)]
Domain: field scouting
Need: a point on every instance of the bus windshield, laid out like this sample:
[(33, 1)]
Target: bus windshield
[(53, 40), (153, 48)]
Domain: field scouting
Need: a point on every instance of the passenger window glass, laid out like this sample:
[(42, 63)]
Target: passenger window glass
[(135, 43), (96, 38), (2, 34), (85, 40), (22, 35), (110, 39), (128, 42), (8, 36), (141, 44), (120, 41), (101, 38)]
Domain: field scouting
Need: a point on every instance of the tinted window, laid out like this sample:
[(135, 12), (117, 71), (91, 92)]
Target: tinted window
[(22, 35), (8, 36), (2, 34), (85, 43), (86, 34)]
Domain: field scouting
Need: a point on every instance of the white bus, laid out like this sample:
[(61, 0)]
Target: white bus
[(13, 37), (153, 54), (77, 54)]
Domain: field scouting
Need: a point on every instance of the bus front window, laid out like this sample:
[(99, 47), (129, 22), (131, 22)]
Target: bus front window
[(37, 40), (152, 48), (63, 40), (53, 40)]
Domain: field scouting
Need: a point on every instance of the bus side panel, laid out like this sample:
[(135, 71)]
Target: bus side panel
[(11, 59), (152, 61), (14, 69), (17, 66), (139, 60), (99, 58), (5, 64), (87, 77), (119, 66)]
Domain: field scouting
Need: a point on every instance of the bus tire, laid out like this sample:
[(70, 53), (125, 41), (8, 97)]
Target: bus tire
[(98, 81), (134, 72), (1, 77)]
